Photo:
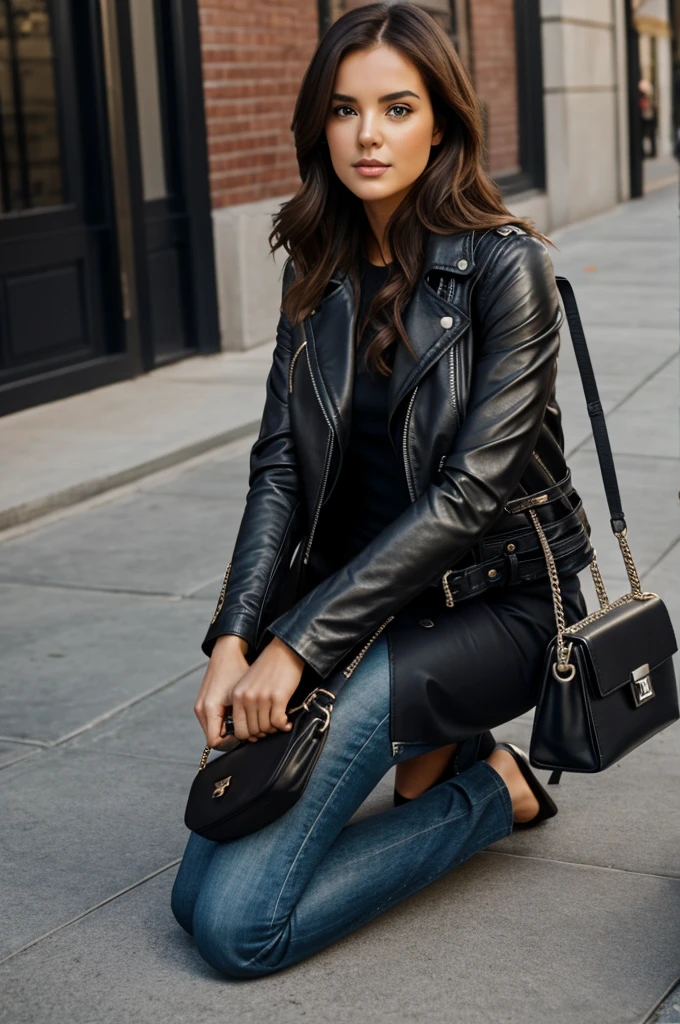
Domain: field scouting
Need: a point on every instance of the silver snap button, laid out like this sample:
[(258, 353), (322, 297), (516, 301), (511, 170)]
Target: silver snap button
[(492, 574), (510, 547), (462, 264), (427, 623), (446, 321)]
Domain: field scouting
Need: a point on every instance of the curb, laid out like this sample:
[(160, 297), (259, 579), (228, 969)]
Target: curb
[(24, 513)]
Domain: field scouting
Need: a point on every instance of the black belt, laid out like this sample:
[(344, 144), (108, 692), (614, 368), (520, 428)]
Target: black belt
[(519, 557)]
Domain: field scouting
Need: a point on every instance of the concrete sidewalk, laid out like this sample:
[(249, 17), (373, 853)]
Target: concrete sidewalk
[(104, 607)]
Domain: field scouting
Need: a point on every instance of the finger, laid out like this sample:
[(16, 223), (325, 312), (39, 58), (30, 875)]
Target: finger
[(214, 717), (278, 716), (241, 731), (264, 716), (250, 705)]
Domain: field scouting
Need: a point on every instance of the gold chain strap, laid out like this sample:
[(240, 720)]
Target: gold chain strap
[(600, 588), (635, 586), (562, 665), (347, 671)]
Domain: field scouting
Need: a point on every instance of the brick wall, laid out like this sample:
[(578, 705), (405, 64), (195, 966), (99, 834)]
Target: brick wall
[(494, 70), (255, 53)]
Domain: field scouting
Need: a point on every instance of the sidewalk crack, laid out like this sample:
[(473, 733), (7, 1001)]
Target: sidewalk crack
[(90, 910)]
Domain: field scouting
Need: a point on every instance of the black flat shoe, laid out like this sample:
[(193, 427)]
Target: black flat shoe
[(477, 748), (547, 807)]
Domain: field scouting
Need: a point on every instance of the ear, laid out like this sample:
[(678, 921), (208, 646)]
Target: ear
[(437, 134)]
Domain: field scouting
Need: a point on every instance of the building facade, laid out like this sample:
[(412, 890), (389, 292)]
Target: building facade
[(146, 144)]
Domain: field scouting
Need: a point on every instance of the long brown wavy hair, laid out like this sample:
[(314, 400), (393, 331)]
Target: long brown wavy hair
[(324, 225)]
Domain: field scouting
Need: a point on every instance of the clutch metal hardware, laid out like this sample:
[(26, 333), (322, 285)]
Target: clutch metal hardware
[(221, 787), (642, 685), (307, 703)]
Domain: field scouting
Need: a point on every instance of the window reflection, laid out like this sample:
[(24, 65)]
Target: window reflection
[(30, 165)]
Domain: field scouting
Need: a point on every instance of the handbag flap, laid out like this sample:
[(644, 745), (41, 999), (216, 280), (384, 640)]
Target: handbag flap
[(626, 638)]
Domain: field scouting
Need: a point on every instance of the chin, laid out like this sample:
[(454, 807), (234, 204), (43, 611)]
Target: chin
[(373, 190)]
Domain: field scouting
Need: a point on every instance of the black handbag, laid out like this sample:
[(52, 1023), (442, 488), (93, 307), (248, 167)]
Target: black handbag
[(252, 784), (608, 681)]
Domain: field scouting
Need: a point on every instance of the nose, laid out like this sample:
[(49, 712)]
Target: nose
[(368, 131)]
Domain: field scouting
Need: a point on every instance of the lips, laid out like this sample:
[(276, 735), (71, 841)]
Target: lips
[(370, 163)]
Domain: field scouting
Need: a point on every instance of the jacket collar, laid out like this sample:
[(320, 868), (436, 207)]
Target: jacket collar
[(329, 332)]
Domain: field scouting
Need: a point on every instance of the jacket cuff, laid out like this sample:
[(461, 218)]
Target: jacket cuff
[(318, 656), (240, 625)]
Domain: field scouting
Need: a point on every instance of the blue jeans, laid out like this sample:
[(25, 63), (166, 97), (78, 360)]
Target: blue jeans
[(271, 898)]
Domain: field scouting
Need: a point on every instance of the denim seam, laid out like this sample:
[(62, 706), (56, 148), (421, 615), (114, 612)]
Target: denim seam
[(321, 811), (499, 788), (275, 938), (505, 794), (431, 877), (424, 831)]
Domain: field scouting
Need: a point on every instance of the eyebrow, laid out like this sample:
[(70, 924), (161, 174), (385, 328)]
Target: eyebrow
[(381, 99)]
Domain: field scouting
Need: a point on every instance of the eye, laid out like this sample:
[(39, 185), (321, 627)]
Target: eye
[(401, 106), (336, 110)]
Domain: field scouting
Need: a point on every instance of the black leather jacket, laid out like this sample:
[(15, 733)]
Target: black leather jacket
[(475, 418)]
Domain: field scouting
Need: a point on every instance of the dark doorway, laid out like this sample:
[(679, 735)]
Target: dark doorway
[(171, 174), (106, 264), (57, 248)]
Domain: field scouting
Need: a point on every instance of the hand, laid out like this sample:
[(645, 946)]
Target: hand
[(226, 667), (260, 697)]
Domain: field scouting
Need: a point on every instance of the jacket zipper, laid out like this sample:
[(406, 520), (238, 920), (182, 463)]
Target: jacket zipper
[(220, 600), (319, 503), (292, 364), (405, 443), (347, 672), (327, 465), (452, 382), (543, 466)]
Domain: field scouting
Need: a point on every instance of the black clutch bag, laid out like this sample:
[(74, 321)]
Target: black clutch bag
[(608, 682), (252, 784)]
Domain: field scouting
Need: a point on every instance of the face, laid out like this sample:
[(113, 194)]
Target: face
[(380, 110)]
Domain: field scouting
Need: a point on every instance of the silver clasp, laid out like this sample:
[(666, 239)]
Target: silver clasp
[(642, 685)]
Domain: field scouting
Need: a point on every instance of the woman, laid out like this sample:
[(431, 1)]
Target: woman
[(385, 541)]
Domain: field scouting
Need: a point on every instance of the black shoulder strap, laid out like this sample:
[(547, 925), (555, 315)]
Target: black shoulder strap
[(600, 435)]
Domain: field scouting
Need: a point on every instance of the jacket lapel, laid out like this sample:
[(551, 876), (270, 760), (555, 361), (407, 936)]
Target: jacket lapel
[(329, 333)]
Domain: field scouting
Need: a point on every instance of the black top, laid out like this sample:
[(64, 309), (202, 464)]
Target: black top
[(371, 490)]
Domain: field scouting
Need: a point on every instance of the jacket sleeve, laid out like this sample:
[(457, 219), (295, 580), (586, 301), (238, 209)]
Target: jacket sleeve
[(273, 495), (516, 318)]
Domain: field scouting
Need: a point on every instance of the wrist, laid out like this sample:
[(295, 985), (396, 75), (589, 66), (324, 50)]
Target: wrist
[(231, 642), (278, 644)]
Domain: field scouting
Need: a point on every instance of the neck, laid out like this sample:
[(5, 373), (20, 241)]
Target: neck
[(378, 213)]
